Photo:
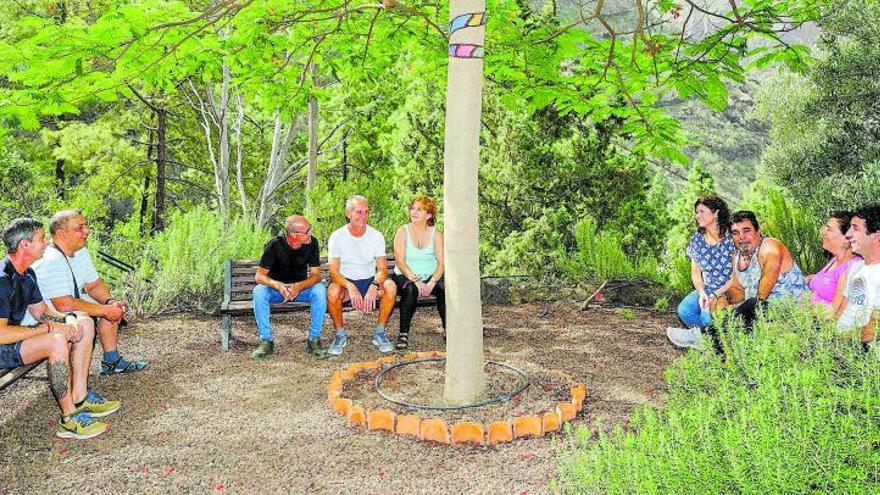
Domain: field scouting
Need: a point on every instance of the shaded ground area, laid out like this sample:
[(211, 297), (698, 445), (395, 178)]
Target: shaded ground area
[(204, 421)]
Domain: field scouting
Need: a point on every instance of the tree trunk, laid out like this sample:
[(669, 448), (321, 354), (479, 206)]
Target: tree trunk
[(278, 172), (345, 157), (145, 204), (59, 177), (239, 176), (159, 203), (465, 377), (312, 174)]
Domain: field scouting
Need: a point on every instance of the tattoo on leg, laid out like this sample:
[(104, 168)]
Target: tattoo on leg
[(59, 376)]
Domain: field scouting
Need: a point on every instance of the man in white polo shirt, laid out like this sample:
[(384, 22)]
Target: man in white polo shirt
[(69, 282), (862, 285), (359, 272)]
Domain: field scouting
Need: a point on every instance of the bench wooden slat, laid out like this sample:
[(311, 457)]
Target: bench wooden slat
[(238, 286), (10, 375)]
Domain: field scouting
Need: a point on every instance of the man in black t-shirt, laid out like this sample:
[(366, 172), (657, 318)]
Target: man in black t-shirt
[(290, 270), (66, 347)]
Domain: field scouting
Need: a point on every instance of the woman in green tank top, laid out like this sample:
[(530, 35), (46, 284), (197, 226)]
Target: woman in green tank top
[(418, 264)]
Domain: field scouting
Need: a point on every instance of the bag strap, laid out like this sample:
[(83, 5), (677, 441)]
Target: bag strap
[(75, 284)]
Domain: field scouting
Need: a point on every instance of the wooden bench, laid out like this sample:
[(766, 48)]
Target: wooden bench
[(9, 375), (238, 286)]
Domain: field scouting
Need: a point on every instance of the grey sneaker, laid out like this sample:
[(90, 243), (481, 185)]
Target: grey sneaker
[(382, 343), (340, 340), (686, 337), (264, 350)]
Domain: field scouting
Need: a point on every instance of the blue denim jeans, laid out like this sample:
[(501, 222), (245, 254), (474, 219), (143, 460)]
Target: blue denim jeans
[(315, 296), (691, 314)]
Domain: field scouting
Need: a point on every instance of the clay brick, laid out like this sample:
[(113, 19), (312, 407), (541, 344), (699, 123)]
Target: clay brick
[(566, 412), (550, 422), (356, 415), (355, 368), (578, 404), (341, 406), (388, 359), (525, 426), (434, 430), (335, 385), (338, 376), (348, 374), (372, 365), (500, 431), (409, 356), (333, 394), (426, 354), (578, 392), (467, 432), (408, 424), (380, 419)]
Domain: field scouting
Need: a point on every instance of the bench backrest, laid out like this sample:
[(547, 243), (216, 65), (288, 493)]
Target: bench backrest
[(239, 280)]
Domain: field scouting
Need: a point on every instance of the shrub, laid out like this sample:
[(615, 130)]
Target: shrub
[(793, 409), (186, 260), (794, 225)]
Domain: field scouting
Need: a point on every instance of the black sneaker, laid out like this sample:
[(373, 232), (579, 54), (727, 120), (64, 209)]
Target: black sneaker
[(264, 350), (313, 347)]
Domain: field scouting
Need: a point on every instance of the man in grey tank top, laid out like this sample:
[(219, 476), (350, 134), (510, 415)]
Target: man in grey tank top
[(763, 269)]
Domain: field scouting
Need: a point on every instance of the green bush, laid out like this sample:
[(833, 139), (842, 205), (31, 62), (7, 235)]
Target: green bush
[(794, 225), (793, 409), (599, 255), (185, 265)]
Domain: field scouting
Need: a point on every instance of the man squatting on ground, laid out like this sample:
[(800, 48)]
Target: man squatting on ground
[(762, 269), (67, 347), (290, 270), (359, 271), (862, 282), (70, 283)]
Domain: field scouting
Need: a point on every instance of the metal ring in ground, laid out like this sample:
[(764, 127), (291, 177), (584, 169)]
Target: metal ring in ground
[(502, 398)]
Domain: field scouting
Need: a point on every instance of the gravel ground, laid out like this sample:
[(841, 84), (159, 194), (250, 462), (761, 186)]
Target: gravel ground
[(202, 421)]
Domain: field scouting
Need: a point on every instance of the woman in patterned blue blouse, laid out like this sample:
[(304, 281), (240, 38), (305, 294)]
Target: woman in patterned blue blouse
[(711, 251)]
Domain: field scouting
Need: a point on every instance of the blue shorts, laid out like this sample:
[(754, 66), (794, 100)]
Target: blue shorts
[(363, 284), (10, 355)]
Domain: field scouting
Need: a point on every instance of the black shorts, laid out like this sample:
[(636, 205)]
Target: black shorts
[(10, 355)]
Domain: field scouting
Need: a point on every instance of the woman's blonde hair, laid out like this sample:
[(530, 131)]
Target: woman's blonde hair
[(429, 204)]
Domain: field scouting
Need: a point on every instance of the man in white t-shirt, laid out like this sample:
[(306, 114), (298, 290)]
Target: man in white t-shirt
[(359, 272), (69, 282), (862, 286)]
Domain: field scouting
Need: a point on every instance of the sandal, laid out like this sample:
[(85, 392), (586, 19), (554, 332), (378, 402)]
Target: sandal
[(113, 367), (402, 343)]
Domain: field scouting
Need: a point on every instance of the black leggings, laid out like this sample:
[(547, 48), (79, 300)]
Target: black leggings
[(748, 311), (409, 298)]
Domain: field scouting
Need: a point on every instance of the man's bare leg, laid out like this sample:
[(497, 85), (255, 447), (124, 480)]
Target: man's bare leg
[(53, 347), (81, 356), (386, 304), (109, 333), (335, 297)]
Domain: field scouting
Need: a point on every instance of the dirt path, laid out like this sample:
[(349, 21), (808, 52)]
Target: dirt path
[(202, 421)]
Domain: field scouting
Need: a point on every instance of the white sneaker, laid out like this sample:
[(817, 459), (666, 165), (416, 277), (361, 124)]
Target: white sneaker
[(340, 340), (686, 337), (382, 343)]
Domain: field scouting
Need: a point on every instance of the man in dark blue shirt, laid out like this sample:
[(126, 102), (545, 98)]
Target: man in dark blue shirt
[(66, 346)]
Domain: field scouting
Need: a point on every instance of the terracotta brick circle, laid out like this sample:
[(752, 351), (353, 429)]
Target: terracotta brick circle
[(436, 430)]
